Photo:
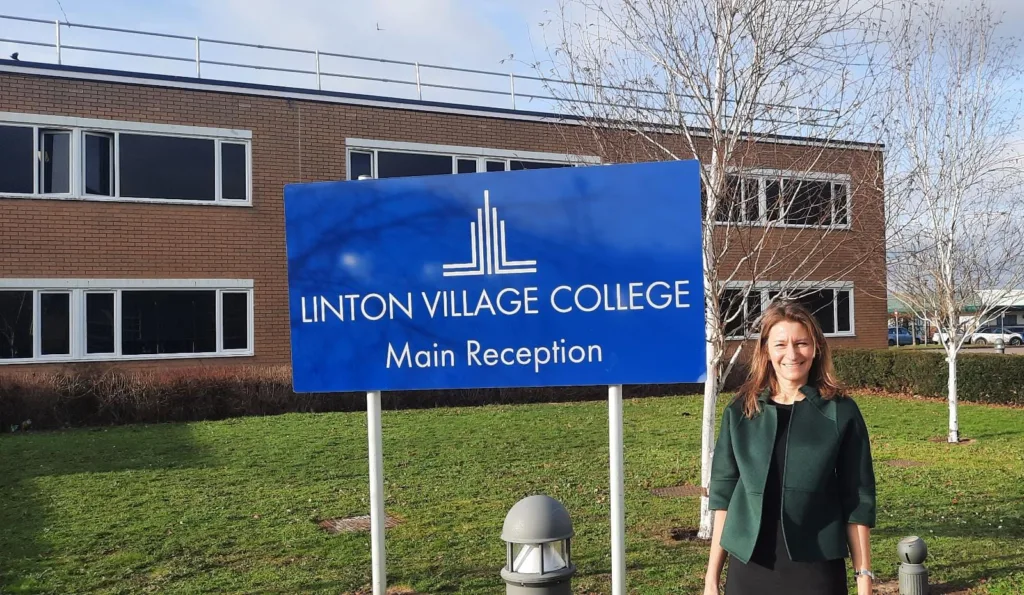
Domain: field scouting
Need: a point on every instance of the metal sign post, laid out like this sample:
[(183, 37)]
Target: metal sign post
[(377, 551), (617, 489), (498, 280)]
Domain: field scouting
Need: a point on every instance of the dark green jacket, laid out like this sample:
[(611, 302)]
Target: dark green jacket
[(828, 478)]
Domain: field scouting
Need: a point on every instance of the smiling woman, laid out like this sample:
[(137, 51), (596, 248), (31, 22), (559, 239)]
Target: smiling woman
[(792, 481)]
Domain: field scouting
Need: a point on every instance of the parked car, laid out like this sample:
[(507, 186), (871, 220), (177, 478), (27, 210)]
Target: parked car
[(989, 334), (900, 336)]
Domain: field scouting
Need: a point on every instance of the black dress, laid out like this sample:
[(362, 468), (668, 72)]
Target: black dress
[(770, 570)]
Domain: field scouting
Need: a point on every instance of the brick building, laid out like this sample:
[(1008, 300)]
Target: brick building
[(141, 216)]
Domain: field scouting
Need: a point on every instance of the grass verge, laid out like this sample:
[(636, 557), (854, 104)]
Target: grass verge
[(232, 506)]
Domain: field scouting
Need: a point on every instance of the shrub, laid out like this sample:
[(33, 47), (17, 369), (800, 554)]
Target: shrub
[(981, 377), (90, 396)]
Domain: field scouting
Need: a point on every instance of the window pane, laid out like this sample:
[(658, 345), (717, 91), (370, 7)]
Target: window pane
[(820, 305), (495, 166), (166, 167), (360, 164), (754, 311), (400, 165), (731, 309), (515, 165), (99, 323), (467, 166), (15, 324), (773, 200), (729, 203), (168, 322), (844, 314), (842, 199), (809, 202), (232, 171), (55, 318), (99, 160), (751, 208), (235, 314), (56, 166), (16, 159)]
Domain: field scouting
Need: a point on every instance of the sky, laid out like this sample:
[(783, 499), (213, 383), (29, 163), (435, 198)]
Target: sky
[(476, 34)]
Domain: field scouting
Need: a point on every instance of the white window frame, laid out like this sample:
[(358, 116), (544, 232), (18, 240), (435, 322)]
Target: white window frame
[(481, 154), (765, 287), (80, 127), (112, 137), (763, 176), (79, 288), (40, 132)]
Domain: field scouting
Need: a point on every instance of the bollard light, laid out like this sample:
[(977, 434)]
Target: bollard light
[(912, 572), (538, 548), (1000, 345)]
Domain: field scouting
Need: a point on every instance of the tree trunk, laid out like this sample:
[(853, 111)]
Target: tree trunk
[(954, 419), (707, 434)]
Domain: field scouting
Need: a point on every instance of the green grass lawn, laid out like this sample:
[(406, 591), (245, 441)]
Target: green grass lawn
[(230, 506)]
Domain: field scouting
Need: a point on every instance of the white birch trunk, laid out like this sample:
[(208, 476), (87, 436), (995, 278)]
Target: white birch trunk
[(954, 419), (707, 438)]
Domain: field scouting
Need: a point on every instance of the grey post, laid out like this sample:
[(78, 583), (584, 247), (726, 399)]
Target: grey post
[(913, 574), (538, 560)]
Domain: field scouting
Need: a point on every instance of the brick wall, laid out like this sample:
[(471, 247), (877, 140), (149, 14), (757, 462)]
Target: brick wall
[(296, 141)]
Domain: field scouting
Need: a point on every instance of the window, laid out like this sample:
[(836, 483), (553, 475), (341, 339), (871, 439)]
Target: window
[(55, 323), (233, 168), (360, 164), (808, 200), (384, 159), (831, 306), (16, 325), (16, 161), (167, 321), (392, 164), (87, 320), (99, 323), (59, 157), (99, 164), (166, 167), (234, 317), (740, 202), (740, 314), (515, 165), (55, 153)]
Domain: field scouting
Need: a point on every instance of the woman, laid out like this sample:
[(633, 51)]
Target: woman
[(792, 481)]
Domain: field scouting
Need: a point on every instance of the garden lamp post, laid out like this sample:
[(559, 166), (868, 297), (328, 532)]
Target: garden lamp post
[(912, 572), (538, 552)]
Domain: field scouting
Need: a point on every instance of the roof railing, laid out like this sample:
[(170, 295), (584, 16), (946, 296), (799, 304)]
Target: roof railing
[(811, 118)]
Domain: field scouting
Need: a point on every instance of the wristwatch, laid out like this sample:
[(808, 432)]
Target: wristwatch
[(864, 572)]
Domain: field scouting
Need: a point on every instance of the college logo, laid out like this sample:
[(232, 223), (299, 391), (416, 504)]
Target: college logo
[(487, 247)]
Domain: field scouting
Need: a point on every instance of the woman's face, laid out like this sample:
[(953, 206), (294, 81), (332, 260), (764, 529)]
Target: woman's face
[(791, 349)]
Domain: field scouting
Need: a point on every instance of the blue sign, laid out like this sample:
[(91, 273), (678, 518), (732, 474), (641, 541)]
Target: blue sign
[(555, 277)]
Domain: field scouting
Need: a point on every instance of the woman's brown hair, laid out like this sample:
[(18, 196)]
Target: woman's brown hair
[(762, 374)]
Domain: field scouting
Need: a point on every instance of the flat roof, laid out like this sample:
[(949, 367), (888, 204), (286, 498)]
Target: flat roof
[(46, 69)]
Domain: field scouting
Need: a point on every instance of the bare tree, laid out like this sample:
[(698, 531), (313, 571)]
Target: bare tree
[(767, 94), (951, 125)]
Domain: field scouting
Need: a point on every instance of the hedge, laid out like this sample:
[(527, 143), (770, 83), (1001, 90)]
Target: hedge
[(95, 396), (981, 377)]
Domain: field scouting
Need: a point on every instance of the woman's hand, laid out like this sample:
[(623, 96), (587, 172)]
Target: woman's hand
[(864, 585)]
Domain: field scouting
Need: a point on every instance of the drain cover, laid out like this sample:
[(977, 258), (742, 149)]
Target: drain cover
[(353, 524), (682, 491)]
